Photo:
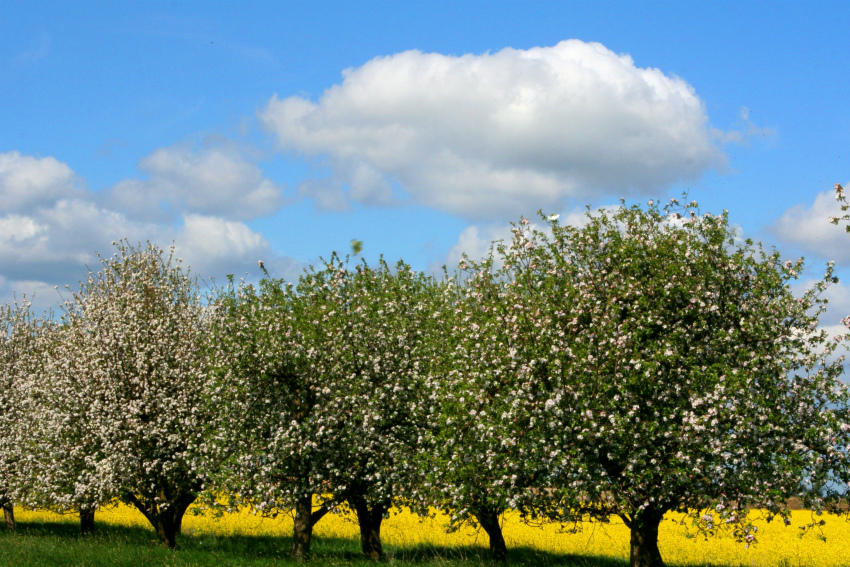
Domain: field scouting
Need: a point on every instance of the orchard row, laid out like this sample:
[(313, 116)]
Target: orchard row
[(643, 362)]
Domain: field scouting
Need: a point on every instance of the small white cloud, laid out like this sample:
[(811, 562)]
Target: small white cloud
[(55, 242), (493, 135), (743, 132), (16, 228), (215, 179), (809, 228), (215, 247), (838, 307), (476, 241), (27, 182), (42, 296)]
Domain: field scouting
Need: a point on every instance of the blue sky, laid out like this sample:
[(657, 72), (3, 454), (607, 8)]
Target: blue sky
[(282, 130)]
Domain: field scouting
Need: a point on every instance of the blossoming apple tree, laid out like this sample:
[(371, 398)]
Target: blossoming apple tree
[(837, 473), (383, 338), (475, 458), (261, 365), (678, 371), (19, 358), (10, 419), (63, 444), (327, 382), (128, 381)]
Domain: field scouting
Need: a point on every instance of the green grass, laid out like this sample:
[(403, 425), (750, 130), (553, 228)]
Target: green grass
[(55, 544)]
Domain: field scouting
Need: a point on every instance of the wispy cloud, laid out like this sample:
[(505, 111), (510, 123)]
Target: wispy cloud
[(36, 51), (743, 131)]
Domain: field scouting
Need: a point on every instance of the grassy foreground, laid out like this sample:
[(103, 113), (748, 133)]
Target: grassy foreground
[(124, 539)]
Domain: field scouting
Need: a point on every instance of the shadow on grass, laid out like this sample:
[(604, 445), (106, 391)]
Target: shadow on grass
[(50, 544), (473, 555)]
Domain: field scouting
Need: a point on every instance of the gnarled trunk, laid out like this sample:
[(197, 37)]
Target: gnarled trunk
[(166, 520), (302, 530), (370, 526), (643, 546), (86, 519), (9, 515), (488, 518)]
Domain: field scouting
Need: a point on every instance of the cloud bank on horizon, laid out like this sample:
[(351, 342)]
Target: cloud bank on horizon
[(485, 136)]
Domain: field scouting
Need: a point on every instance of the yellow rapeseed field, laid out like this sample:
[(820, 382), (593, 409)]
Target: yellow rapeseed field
[(778, 545)]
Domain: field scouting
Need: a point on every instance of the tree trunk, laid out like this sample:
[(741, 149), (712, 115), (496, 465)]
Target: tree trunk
[(488, 518), (9, 515), (643, 547), (86, 519), (166, 520), (370, 527), (302, 530)]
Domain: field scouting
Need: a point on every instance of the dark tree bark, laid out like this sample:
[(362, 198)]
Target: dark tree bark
[(302, 531), (166, 520), (370, 526), (9, 515), (643, 547), (488, 518), (86, 519)]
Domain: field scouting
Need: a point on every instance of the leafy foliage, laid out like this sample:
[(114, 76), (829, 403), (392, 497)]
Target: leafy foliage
[(659, 365), (326, 380)]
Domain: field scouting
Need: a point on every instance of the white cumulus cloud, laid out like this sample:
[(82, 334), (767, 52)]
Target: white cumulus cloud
[(214, 179), (808, 227), (218, 246), (837, 309), (27, 182), (475, 242), (492, 135)]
